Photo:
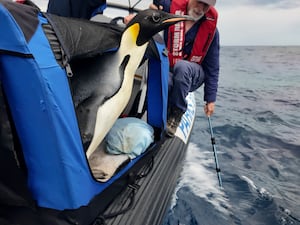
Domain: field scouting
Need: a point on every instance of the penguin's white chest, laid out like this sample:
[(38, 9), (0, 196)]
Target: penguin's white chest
[(129, 59)]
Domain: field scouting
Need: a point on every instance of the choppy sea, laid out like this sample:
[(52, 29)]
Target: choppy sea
[(257, 130)]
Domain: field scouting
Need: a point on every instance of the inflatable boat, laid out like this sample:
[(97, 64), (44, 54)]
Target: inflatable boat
[(47, 97)]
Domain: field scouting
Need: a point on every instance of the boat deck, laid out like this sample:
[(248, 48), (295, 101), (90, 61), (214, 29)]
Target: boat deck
[(152, 198)]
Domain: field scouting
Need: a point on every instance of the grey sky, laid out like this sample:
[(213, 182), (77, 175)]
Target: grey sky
[(287, 4), (257, 22)]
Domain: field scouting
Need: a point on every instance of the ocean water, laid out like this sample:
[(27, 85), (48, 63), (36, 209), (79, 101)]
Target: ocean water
[(257, 129)]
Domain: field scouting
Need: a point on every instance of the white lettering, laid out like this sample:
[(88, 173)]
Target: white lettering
[(188, 117)]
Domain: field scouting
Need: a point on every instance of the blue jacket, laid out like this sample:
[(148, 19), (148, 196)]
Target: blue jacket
[(210, 64), (76, 8)]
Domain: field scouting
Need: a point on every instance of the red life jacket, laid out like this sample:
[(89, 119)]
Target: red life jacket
[(203, 38)]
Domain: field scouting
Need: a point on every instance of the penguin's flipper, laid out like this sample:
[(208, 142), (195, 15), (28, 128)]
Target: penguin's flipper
[(110, 110), (94, 82)]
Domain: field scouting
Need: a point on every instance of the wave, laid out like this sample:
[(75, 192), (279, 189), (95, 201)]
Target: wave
[(267, 203), (199, 177)]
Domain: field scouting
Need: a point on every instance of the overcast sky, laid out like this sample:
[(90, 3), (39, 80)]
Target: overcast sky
[(259, 22), (251, 22)]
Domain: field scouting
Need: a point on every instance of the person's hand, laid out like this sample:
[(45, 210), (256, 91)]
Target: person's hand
[(209, 108), (152, 6), (128, 18)]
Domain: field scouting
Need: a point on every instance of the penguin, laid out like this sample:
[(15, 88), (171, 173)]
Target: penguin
[(102, 95)]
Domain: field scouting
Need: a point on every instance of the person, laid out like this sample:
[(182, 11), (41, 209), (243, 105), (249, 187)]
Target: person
[(76, 8), (193, 54)]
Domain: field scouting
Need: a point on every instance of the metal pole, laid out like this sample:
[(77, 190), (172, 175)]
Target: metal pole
[(213, 142)]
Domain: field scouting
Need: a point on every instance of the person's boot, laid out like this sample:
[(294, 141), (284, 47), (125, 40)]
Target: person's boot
[(173, 121)]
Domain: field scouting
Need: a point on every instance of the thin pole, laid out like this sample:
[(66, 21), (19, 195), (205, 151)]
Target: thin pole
[(213, 142)]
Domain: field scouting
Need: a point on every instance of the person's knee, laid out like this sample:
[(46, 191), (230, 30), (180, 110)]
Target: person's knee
[(181, 66), (182, 72)]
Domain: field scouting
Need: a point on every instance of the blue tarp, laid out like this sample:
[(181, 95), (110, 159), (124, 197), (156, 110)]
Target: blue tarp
[(41, 104), (158, 87)]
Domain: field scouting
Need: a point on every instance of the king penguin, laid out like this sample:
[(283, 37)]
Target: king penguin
[(104, 94)]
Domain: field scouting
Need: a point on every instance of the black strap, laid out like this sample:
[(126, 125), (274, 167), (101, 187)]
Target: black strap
[(13, 53), (132, 178), (149, 168), (100, 219)]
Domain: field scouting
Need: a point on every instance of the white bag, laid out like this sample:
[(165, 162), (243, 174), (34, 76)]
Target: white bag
[(130, 136)]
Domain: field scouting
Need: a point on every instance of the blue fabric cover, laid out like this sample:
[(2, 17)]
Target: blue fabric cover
[(12, 39), (40, 101), (38, 94), (129, 135), (157, 90)]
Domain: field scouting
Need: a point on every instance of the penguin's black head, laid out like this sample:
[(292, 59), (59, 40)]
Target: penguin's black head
[(149, 22)]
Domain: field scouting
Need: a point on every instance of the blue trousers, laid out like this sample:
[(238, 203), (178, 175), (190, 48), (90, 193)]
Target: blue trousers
[(186, 77)]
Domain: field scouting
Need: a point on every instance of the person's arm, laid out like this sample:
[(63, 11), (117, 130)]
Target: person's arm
[(161, 5), (76, 8), (211, 66)]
